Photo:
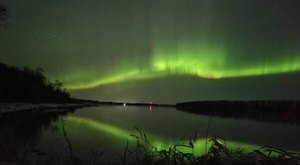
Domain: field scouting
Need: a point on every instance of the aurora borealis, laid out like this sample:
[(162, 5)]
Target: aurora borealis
[(122, 50)]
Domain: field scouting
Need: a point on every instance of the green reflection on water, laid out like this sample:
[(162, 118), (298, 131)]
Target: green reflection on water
[(159, 142)]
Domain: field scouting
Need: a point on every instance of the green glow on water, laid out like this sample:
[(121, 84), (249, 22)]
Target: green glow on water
[(158, 142), (101, 127)]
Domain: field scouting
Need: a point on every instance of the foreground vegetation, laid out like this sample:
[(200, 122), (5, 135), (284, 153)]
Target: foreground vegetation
[(217, 154), (18, 130), (144, 153)]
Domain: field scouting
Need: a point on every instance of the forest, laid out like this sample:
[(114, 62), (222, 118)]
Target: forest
[(28, 85)]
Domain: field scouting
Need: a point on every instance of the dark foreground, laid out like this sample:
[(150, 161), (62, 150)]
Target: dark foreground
[(217, 154), (27, 125)]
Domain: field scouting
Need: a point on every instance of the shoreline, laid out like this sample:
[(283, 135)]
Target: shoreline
[(12, 107), (20, 107), (283, 111)]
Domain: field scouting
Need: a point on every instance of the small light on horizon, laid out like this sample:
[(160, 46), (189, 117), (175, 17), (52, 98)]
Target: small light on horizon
[(124, 104)]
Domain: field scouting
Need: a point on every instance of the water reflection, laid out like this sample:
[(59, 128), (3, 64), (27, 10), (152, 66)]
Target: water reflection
[(21, 133), (65, 135), (156, 141)]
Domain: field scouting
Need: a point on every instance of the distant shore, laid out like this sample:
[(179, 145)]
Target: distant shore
[(9, 107), (17, 107), (286, 111)]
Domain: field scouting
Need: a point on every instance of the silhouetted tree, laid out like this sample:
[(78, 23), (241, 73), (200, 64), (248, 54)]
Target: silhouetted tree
[(29, 85), (57, 85), (3, 14), (25, 84)]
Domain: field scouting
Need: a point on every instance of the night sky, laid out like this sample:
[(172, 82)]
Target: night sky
[(159, 50)]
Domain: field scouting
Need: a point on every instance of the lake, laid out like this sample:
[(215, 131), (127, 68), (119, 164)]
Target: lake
[(86, 132)]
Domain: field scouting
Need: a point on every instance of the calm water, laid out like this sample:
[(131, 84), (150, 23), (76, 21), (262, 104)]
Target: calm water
[(88, 130)]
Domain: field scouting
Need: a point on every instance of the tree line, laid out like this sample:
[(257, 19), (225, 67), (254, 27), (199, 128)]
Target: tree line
[(25, 84), (3, 14), (28, 85)]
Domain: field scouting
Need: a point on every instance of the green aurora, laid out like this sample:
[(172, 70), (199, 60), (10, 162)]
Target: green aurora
[(101, 43), (197, 60)]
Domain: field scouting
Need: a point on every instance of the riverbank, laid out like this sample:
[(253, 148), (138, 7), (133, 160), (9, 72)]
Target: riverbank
[(74, 103), (285, 111), (18, 106)]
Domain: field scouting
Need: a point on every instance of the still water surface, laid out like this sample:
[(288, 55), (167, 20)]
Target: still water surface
[(92, 129)]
